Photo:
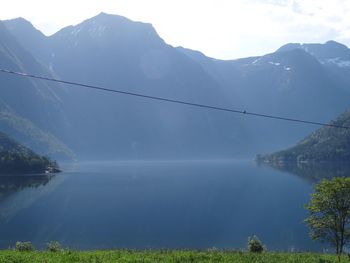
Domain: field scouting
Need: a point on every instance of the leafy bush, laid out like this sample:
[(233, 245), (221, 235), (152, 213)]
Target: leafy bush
[(53, 246), (24, 246), (255, 245)]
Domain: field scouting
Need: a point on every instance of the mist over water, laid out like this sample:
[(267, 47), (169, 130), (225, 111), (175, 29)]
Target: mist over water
[(160, 204)]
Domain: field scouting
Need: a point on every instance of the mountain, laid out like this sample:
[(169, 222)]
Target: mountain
[(334, 56), (31, 111), (31, 38), (325, 145), (329, 53), (289, 83), (15, 158), (117, 53)]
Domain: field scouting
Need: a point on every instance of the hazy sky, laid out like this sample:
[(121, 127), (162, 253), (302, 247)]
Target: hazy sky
[(219, 28)]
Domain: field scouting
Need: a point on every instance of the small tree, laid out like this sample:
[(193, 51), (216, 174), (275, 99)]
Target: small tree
[(53, 246), (24, 246), (329, 210), (255, 245)]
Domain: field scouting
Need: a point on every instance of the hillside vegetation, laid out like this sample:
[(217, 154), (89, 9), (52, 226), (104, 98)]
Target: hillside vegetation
[(15, 158), (325, 145), (165, 256)]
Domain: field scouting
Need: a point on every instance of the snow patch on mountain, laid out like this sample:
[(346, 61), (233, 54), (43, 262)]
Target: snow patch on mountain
[(76, 31), (96, 30), (338, 62), (259, 62), (274, 63), (279, 64)]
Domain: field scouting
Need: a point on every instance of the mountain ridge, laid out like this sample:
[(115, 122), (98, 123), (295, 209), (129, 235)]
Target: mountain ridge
[(133, 57), (140, 62), (28, 100)]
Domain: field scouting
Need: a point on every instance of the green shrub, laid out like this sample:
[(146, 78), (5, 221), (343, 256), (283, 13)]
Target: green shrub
[(53, 246), (24, 246), (255, 245)]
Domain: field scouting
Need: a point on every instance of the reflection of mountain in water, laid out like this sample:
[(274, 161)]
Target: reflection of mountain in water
[(313, 172), (20, 192), (11, 184)]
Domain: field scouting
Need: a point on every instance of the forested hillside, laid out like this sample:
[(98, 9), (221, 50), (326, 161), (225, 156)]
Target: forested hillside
[(327, 144), (15, 158)]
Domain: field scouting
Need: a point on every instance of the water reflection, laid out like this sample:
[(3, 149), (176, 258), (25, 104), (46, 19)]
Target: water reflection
[(313, 173), (20, 192), (158, 205), (10, 184)]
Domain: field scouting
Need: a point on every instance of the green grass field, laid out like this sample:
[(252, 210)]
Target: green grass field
[(11, 256)]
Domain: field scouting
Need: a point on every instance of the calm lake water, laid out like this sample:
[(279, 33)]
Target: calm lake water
[(192, 204)]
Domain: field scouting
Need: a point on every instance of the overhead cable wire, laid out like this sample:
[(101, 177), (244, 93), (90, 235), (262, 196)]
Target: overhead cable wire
[(164, 99)]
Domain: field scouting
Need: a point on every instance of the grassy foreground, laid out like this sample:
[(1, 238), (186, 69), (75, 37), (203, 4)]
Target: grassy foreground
[(11, 256)]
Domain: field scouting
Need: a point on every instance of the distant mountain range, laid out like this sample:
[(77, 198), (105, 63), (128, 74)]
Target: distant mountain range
[(309, 81), (15, 158), (291, 83)]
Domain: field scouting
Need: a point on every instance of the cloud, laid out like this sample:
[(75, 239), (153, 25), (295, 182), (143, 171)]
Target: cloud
[(316, 19)]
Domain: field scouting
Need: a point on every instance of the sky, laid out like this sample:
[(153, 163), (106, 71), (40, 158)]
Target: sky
[(225, 29)]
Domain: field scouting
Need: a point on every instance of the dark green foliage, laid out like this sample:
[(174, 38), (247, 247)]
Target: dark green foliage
[(327, 144), (24, 246), (53, 246), (15, 158), (329, 208), (168, 256), (255, 245)]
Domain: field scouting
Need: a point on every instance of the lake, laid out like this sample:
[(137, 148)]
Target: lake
[(167, 204)]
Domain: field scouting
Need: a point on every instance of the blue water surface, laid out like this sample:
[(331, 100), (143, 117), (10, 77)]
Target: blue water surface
[(157, 204)]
